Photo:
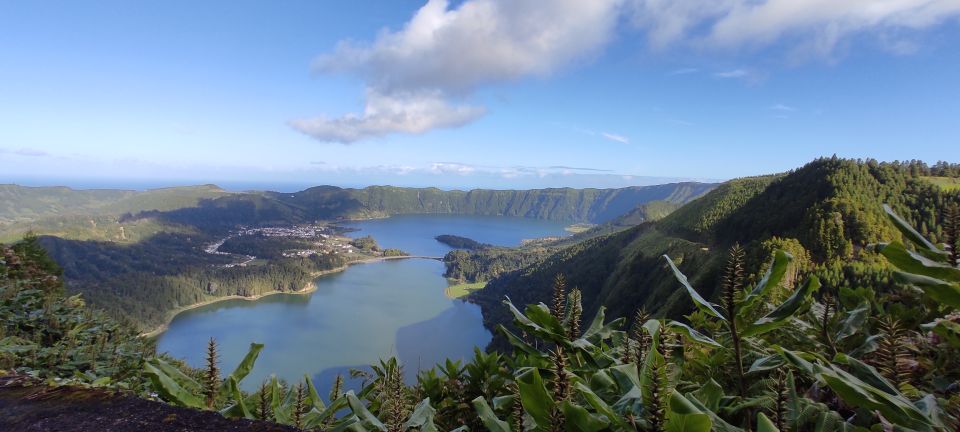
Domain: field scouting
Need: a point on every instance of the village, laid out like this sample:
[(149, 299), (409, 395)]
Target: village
[(320, 239)]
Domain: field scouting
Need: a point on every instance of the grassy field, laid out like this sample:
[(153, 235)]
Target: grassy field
[(460, 290), (946, 183)]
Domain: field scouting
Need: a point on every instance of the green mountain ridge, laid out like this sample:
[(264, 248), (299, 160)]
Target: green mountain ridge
[(99, 214), (830, 209)]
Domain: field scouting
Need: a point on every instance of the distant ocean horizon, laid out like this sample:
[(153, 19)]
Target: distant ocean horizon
[(296, 186)]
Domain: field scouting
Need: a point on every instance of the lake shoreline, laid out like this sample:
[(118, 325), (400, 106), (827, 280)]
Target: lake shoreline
[(308, 288)]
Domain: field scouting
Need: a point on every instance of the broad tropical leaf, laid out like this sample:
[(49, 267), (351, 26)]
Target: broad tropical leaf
[(778, 268), (169, 390), (923, 245), (581, 420), (937, 289), (692, 334), (422, 417), (701, 303), (785, 311), (489, 419), (912, 262)]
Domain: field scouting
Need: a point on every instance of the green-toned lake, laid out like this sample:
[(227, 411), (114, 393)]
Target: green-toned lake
[(356, 317)]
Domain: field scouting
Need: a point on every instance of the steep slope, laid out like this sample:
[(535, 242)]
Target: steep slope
[(830, 208)]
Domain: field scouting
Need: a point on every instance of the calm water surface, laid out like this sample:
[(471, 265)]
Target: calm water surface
[(358, 316)]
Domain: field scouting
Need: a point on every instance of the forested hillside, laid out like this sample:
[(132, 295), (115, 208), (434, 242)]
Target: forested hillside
[(825, 213)]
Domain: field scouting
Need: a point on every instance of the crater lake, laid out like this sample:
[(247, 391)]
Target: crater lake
[(354, 318)]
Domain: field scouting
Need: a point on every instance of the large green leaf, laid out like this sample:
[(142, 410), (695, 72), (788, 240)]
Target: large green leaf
[(367, 419), (280, 409), (519, 343), (698, 300), (243, 369), (685, 416), (765, 425), (923, 245), (939, 290), (710, 394), (578, 419), (766, 363), (538, 320), (774, 275), (786, 310), (422, 417), (856, 392), (188, 383), (852, 321), (313, 397), (168, 389), (692, 334), (719, 424), (912, 262), (489, 419), (599, 405), (867, 373), (535, 397), (598, 330), (239, 407), (315, 419)]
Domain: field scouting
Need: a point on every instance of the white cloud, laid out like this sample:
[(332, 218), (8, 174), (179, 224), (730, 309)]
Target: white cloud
[(615, 137), (452, 168), (782, 108), (816, 26), (735, 73), (443, 54), (684, 71), (419, 76), (384, 114)]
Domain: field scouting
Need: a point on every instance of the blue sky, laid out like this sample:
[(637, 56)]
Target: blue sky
[(476, 93)]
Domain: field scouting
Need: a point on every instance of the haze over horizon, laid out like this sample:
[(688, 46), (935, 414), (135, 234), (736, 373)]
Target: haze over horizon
[(464, 94)]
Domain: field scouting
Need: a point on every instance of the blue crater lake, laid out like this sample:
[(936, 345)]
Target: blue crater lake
[(356, 317)]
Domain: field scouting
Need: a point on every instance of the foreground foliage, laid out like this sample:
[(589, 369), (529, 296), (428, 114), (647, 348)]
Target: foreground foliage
[(47, 335)]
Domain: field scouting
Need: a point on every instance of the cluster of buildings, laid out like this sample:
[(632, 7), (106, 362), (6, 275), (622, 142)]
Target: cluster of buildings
[(294, 231), (326, 241)]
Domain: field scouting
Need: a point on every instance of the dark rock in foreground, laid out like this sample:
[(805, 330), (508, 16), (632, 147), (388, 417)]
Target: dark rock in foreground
[(26, 405)]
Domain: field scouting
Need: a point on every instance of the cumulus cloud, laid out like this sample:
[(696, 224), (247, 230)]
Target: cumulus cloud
[(443, 54), (411, 113), (422, 75)]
